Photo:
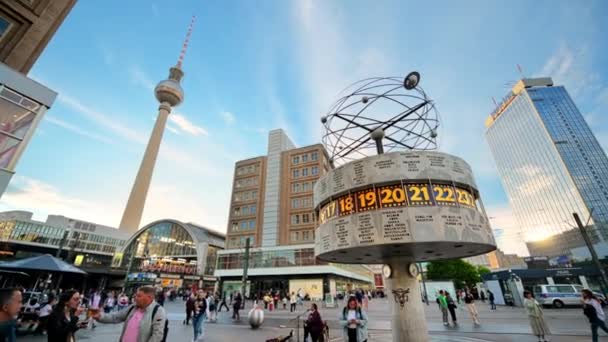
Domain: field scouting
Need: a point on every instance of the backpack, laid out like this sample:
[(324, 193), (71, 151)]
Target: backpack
[(165, 330)]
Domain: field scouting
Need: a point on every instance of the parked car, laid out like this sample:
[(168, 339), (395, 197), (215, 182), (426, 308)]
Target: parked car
[(560, 295)]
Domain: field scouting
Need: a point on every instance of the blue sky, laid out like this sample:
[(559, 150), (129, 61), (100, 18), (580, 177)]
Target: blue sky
[(257, 65)]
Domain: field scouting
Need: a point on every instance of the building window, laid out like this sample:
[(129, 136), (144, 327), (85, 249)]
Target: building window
[(4, 27), (304, 158), (306, 218), (243, 225), (296, 160), (305, 172), (295, 236), (251, 224), (305, 186), (305, 235), (237, 211), (314, 170), (314, 156), (296, 173), (295, 219), (295, 187), (252, 209)]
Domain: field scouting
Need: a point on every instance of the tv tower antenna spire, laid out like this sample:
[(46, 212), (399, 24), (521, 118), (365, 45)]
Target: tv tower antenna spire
[(180, 60)]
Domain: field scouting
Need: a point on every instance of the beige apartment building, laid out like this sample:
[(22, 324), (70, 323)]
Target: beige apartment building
[(272, 205)]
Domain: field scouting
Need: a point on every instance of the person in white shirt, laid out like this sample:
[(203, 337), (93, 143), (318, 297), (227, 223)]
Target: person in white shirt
[(43, 314), (593, 310)]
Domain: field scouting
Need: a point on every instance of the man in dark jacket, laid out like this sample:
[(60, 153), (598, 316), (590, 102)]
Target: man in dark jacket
[(10, 306), (189, 309)]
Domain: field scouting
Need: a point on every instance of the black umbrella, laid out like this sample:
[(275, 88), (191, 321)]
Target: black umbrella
[(44, 263)]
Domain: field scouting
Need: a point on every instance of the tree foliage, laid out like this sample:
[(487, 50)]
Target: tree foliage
[(459, 271)]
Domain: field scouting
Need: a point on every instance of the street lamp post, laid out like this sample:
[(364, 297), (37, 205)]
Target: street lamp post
[(594, 257)]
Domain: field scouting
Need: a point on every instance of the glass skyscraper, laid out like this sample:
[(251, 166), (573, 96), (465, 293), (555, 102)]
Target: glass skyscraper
[(551, 166)]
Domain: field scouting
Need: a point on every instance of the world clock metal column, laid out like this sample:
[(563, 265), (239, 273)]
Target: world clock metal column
[(405, 204)]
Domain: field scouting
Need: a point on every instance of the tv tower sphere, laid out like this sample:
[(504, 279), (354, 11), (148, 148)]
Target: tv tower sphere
[(169, 90)]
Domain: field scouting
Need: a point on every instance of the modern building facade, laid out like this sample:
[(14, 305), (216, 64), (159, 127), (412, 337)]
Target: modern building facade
[(26, 27), (551, 166), (272, 206), (170, 253), (87, 245), (23, 103)]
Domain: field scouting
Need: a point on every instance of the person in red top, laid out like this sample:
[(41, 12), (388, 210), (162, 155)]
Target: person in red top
[(314, 324)]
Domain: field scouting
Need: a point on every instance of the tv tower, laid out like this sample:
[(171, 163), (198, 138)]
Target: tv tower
[(170, 94)]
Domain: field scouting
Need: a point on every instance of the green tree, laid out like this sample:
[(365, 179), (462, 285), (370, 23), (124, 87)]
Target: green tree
[(483, 270), (459, 271)]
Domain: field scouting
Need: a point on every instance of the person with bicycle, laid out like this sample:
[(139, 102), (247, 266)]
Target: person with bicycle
[(314, 324), (354, 322)]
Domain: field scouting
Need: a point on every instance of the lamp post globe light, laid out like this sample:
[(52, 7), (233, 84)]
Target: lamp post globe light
[(393, 199)]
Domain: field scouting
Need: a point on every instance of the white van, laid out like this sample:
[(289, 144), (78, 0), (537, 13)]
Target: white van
[(559, 295)]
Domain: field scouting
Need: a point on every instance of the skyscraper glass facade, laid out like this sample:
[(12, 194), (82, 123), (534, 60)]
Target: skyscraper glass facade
[(551, 166)]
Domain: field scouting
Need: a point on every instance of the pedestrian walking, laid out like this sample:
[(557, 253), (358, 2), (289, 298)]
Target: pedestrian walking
[(284, 302), (211, 308), (365, 302), (491, 299), (353, 321), (160, 297), (451, 307), (144, 321), (63, 322), (236, 306), (223, 304), (469, 301), (189, 309), (443, 305), (314, 324), (536, 317), (199, 314), (482, 295), (293, 301), (44, 313), (10, 305), (592, 308)]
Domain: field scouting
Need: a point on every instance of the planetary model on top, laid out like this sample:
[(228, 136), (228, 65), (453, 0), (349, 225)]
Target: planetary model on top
[(393, 200)]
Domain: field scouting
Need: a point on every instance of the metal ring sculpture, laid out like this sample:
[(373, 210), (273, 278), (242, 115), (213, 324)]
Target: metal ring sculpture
[(391, 109)]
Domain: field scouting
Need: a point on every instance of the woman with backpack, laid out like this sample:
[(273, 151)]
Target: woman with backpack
[(354, 322), (592, 308)]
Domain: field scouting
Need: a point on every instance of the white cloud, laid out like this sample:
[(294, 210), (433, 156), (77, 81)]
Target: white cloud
[(228, 117), (163, 201), (511, 238), (42, 198), (572, 68), (139, 77), (77, 130), (186, 125), (101, 119)]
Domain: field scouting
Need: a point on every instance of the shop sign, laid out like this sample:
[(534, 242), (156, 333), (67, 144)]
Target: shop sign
[(172, 276)]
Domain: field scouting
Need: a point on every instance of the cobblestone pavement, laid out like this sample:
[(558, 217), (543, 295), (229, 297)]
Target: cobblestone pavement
[(503, 325)]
